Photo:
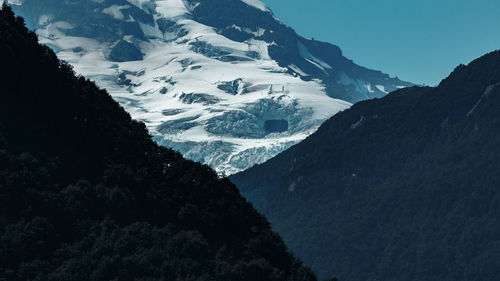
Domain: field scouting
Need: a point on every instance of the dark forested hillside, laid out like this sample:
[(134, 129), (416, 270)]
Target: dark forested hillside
[(86, 195), (406, 187)]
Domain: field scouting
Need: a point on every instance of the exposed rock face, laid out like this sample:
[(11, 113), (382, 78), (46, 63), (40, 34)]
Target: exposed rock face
[(125, 51)]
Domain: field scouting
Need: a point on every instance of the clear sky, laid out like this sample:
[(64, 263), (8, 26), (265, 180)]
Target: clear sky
[(420, 41)]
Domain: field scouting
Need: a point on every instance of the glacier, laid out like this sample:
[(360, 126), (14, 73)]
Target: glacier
[(220, 99)]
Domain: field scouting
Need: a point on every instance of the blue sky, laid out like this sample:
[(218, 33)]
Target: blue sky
[(420, 41)]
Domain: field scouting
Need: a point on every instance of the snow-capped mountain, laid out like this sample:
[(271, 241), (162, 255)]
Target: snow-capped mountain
[(222, 81)]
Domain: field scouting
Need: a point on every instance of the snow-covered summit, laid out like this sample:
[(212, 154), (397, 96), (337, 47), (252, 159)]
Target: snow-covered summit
[(221, 81)]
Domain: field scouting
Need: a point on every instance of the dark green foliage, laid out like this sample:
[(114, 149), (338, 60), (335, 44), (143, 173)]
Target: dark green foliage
[(85, 194), (406, 187)]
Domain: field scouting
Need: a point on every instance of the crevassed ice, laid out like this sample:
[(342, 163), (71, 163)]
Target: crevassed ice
[(215, 100)]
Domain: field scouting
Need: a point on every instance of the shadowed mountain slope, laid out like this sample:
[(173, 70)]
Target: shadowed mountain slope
[(406, 187)]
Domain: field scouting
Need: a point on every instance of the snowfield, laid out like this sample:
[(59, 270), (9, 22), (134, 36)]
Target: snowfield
[(224, 103)]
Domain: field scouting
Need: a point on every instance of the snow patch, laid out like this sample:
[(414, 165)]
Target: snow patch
[(381, 88), (45, 19), (257, 4), (297, 70), (171, 9), (12, 2), (259, 32), (145, 5), (369, 88), (304, 52), (115, 11)]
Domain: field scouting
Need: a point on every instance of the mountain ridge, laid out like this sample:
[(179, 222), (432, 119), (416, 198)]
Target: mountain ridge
[(212, 72), (404, 187)]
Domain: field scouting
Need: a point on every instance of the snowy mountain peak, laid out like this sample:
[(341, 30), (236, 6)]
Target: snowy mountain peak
[(222, 81)]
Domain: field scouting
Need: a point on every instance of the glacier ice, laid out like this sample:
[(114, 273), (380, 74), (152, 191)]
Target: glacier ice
[(224, 102)]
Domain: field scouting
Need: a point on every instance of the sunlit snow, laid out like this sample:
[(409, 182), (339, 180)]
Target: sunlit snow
[(257, 4), (115, 11), (199, 92)]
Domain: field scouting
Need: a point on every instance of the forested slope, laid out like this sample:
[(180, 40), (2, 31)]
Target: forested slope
[(85, 194), (406, 187)]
